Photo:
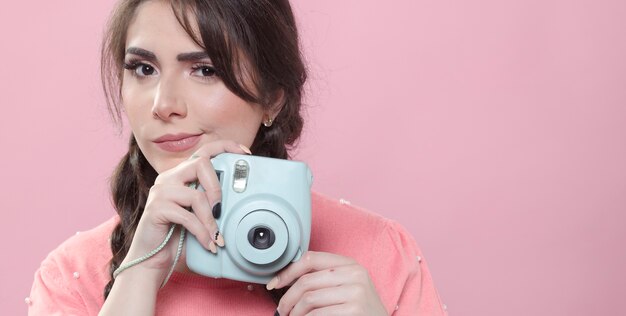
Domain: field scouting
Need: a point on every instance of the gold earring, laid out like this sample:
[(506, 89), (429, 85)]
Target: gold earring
[(268, 122)]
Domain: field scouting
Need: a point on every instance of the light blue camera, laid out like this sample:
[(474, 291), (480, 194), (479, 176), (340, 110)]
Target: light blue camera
[(265, 219)]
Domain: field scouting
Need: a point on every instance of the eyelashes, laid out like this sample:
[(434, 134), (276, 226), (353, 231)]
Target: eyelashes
[(142, 70), (207, 71), (134, 66)]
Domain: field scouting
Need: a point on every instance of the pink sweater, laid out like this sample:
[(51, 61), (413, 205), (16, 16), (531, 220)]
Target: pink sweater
[(71, 279)]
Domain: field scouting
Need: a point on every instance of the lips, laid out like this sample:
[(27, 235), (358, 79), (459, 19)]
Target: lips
[(177, 142)]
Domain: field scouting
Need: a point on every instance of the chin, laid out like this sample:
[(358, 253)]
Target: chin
[(166, 164), (161, 164)]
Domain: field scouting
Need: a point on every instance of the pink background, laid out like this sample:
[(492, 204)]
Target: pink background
[(494, 130)]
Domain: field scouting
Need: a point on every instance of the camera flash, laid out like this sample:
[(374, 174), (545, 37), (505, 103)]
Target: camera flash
[(240, 178)]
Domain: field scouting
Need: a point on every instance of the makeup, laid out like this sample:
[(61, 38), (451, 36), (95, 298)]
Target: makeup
[(177, 143)]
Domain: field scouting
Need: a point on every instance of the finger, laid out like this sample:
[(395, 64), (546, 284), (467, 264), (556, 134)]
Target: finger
[(310, 261), (215, 148), (207, 177), (199, 168), (197, 202), (337, 310), (305, 291), (212, 190), (174, 213), (314, 300), (186, 171), (211, 185), (182, 198)]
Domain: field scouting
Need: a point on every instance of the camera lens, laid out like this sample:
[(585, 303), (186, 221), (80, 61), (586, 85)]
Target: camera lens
[(261, 237)]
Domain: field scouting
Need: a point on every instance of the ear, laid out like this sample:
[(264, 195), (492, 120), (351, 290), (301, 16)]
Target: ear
[(277, 104)]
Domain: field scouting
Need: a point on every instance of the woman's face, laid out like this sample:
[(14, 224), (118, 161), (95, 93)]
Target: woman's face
[(173, 100)]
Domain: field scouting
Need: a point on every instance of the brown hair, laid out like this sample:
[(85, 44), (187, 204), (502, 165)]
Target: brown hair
[(257, 36)]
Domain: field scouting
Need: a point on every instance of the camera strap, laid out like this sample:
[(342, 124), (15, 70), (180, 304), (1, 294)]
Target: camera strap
[(156, 250)]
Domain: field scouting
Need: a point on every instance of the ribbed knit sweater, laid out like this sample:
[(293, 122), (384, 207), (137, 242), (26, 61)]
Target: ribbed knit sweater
[(71, 279)]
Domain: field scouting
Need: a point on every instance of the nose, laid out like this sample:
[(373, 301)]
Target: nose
[(168, 100)]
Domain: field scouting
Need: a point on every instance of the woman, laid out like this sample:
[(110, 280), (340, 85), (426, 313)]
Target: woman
[(195, 79)]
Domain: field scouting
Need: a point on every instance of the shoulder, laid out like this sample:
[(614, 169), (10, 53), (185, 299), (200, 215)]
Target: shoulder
[(85, 250), (73, 276), (384, 247), (342, 228), (340, 211)]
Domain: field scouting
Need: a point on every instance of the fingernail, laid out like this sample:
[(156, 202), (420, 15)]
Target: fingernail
[(217, 210), (272, 284), (212, 247), (246, 149), (219, 240)]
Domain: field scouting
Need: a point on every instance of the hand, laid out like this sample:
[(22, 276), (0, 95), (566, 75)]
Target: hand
[(327, 284), (167, 203)]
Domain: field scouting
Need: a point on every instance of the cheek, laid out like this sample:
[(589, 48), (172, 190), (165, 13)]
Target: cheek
[(229, 115), (132, 99), (236, 119)]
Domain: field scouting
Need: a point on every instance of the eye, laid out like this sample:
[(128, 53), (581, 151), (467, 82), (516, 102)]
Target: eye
[(140, 69), (205, 71), (145, 70)]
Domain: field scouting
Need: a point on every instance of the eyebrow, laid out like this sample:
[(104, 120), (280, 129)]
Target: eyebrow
[(141, 52), (193, 56)]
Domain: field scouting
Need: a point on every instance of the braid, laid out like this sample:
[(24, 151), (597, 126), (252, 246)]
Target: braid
[(130, 185)]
